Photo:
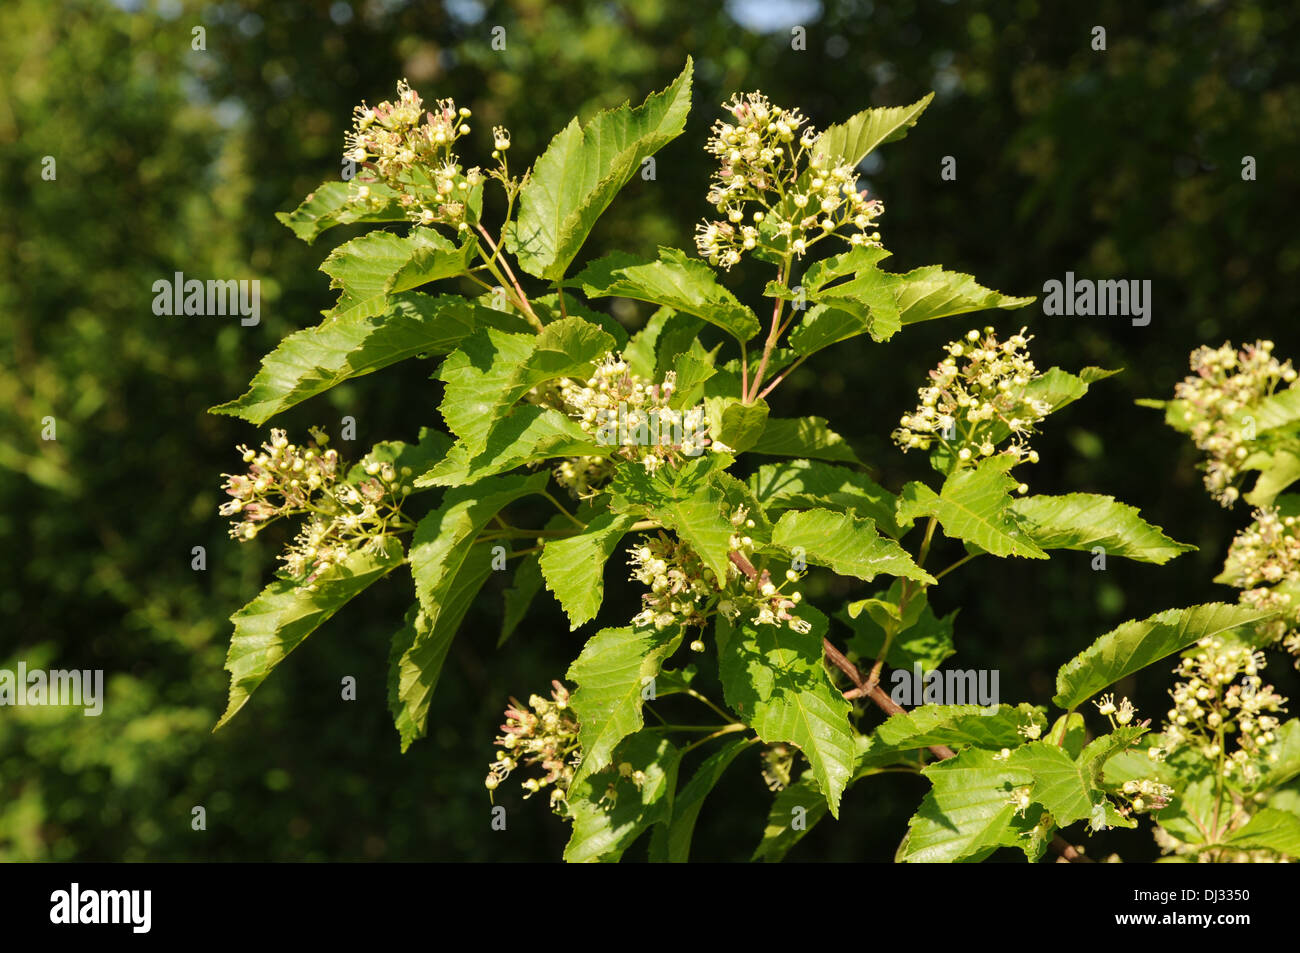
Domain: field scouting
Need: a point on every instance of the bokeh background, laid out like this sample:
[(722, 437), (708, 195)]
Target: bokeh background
[(1117, 164)]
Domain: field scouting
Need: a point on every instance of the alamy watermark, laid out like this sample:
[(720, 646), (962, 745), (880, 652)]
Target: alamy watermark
[(661, 428), (191, 296), (1107, 298), (953, 687), (83, 688), (131, 907)]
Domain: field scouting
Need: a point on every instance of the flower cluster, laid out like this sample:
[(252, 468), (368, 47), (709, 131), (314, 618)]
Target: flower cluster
[(1262, 555), (1121, 714), (620, 409), (684, 591), (285, 479), (796, 194), (1225, 382), (1146, 794), (1212, 704), (752, 594), (778, 766), (409, 149), (977, 397), (1267, 551), (544, 734), (680, 585)]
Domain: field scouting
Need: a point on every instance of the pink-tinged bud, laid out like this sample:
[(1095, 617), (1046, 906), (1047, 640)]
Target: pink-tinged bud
[(259, 511)]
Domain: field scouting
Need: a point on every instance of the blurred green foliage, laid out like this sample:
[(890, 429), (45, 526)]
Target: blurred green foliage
[(1122, 163)]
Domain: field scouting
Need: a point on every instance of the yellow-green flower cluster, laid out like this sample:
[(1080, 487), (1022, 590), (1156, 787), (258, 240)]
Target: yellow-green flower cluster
[(679, 585), (285, 479), (778, 766), (1119, 715), (628, 413), (978, 397), (683, 591), (543, 733), (1226, 381), (1223, 695), (772, 182), (1264, 561), (410, 150), (1145, 794)]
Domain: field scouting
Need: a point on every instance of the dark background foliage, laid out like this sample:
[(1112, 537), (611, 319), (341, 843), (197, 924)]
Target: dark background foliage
[(1117, 164)]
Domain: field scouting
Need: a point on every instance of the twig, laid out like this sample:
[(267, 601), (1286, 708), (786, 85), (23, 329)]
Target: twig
[(519, 291), (874, 692)]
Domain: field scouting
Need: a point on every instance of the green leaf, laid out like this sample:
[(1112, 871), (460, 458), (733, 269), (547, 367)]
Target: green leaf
[(830, 322), (613, 672), (1281, 409), (416, 458), (610, 811), (476, 376), (1269, 829), (519, 597), (929, 292), (956, 726), (925, 637), (641, 353), (859, 258), (569, 347), (368, 269), (420, 647), (311, 361), (676, 281), (775, 680), (693, 369), (282, 616), (804, 484), (866, 303), (1087, 520), (565, 348), (1278, 470), (670, 842), (848, 545), (1135, 645), (444, 536), (738, 426), (548, 309), (686, 500), (974, 505), (852, 140), (1058, 388), (529, 435), (493, 370), (968, 814), (794, 812), (1070, 732), (582, 170), (1070, 788), (333, 204), (803, 437), (574, 567)]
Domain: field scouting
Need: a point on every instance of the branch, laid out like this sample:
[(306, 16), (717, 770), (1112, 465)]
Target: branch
[(1068, 852), (874, 692)]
